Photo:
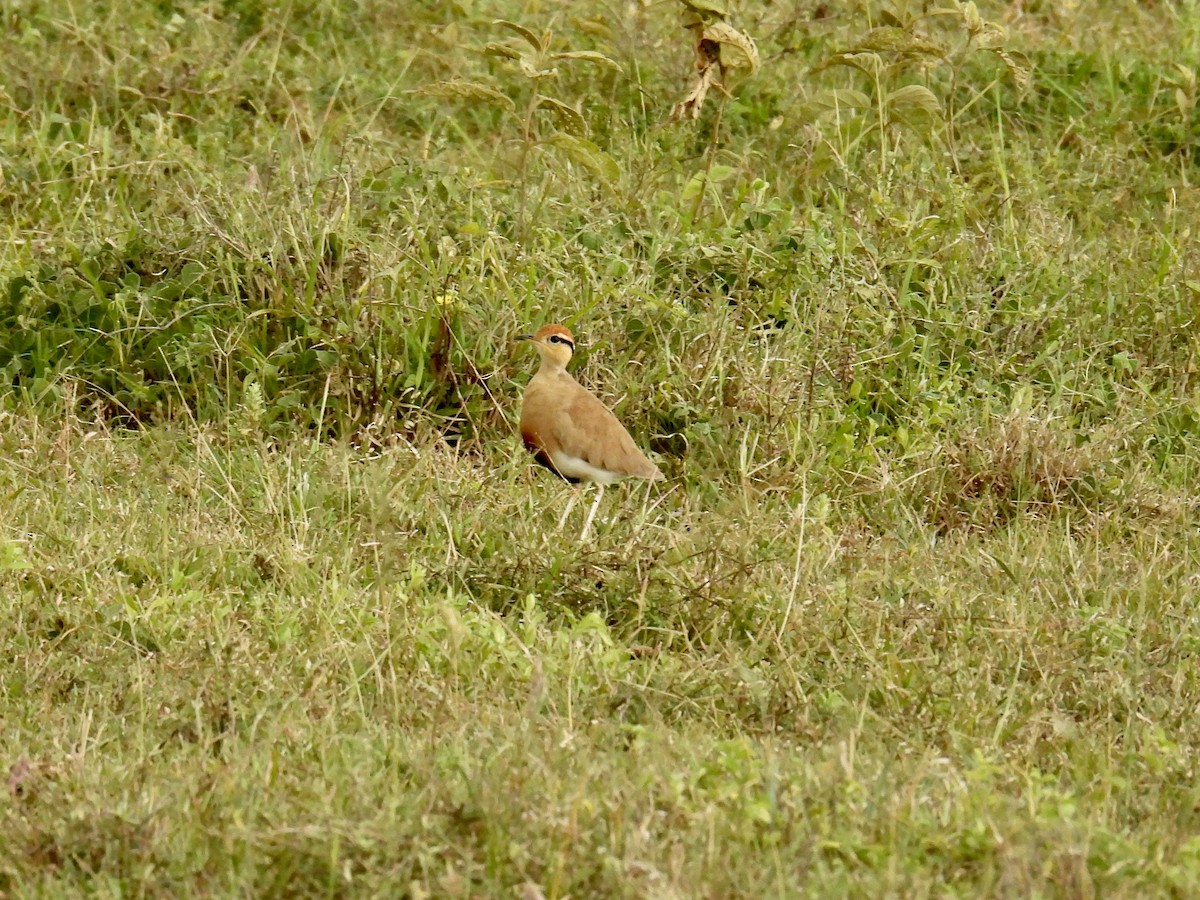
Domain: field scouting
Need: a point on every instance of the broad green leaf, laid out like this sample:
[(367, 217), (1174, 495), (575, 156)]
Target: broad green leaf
[(694, 186), (717, 174), (916, 107), (532, 39), (465, 90), (840, 98), (12, 557), (1124, 361), (870, 64), (569, 118), (914, 97), (698, 182), (584, 153), (889, 39)]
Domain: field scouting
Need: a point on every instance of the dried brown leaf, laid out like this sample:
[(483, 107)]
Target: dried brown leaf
[(736, 48)]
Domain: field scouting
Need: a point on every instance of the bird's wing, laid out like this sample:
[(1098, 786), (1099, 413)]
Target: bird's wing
[(592, 433)]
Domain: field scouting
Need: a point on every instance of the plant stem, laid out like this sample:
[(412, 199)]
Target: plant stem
[(708, 162), (527, 141)]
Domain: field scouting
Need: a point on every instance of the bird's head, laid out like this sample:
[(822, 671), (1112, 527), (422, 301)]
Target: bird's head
[(554, 344)]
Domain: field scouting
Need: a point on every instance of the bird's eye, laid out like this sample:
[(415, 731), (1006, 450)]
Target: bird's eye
[(555, 339)]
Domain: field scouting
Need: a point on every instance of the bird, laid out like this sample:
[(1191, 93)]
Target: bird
[(570, 431)]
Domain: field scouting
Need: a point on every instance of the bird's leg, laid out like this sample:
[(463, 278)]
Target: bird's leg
[(566, 512), (592, 512)]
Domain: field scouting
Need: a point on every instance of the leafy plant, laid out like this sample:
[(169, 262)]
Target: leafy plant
[(538, 62), (892, 53), (720, 50)]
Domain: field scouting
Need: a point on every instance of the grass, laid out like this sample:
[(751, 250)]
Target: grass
[(914, 614)]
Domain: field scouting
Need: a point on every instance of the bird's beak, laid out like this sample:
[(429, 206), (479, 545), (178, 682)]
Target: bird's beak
[(523, 337)]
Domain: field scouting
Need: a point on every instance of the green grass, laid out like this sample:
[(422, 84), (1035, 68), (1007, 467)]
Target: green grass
[(286, 613)]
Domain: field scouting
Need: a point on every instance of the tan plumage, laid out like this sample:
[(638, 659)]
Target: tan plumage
[(569, 430)]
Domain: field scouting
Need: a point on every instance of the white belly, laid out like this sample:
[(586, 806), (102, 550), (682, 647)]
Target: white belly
[(574, 467)]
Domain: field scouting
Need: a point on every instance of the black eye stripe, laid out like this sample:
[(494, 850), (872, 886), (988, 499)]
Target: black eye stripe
[(559, 339)]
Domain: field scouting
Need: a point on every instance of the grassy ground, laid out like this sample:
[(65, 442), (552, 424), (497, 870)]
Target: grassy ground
[(914, 339)]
